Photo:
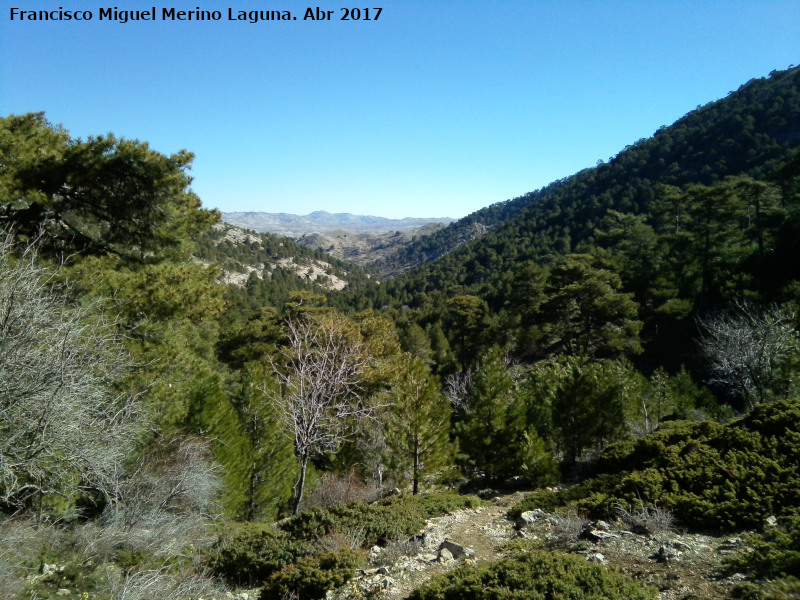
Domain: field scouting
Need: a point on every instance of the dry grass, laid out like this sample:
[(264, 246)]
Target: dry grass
[(647, 520), (565, 528)]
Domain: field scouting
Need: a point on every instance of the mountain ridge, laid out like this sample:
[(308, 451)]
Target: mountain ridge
[(714, 140), (321, 221)]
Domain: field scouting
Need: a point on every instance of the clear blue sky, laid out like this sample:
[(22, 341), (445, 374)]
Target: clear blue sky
[(438, 108)]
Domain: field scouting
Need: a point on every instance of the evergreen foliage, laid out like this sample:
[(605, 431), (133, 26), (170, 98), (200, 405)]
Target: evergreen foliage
[(98, 196), (560, 323), (680, 224), (712, 477), (535, 575), (493, 431), (417, 426)]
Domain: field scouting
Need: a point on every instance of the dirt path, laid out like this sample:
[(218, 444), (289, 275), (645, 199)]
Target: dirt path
[(690, 565), (480, 531)]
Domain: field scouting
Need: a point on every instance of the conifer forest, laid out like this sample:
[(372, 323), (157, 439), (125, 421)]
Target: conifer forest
[(192, 410)]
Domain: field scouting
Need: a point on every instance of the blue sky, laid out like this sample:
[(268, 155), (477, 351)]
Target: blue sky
[(438, 108)]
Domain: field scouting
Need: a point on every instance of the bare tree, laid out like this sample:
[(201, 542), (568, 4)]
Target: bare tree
[(319, 398), (62, 427), (458, 387), (748, 350), (162, 505)]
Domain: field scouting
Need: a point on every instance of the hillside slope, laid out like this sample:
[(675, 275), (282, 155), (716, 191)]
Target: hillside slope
[(753, 131), (383, 253), (321, 221), (262, 269)]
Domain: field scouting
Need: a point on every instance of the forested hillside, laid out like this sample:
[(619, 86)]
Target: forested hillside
[(190, 410), (682, 223), (753, 131), (262, 269)]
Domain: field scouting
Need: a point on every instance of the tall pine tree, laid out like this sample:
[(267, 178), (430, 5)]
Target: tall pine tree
[(418, 425)]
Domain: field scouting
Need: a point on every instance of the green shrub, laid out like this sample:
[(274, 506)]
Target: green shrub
[(251, 553), (312, 576), (711, 477), (535, 575), (775, 553), (787, 588), (378, 523), (255, 553)]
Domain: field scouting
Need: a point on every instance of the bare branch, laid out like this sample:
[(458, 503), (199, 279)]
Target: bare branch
[(458, 387), (62, 427), (319, 398), (746, 349)]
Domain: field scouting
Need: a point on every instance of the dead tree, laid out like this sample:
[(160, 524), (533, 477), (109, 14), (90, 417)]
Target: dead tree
[(63, 429), (320, 400), (749, 349)]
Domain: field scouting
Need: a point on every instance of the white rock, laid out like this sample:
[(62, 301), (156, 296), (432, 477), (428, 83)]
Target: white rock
[(602, 525), (529, 516), (596, 557), (771, 521), (456, 550)]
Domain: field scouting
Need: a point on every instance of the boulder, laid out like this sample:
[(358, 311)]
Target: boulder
[(594, 535), (444, 555), (596, 557), (529, 517), (602, 525), (456, 550)]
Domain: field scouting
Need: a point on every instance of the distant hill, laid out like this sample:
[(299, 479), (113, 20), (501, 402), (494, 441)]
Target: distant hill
[(382, 253), (263, 269), (323, 222)]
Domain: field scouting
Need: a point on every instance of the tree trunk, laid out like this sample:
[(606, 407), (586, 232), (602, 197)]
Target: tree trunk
[(416, 467), (301, 484)]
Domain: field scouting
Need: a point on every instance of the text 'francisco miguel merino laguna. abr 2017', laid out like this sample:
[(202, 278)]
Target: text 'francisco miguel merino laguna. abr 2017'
[(173, 14)]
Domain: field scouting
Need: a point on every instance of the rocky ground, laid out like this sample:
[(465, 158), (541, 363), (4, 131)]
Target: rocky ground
[(679, 565)]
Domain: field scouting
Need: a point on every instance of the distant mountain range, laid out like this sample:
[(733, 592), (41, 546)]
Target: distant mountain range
[(323, 222)]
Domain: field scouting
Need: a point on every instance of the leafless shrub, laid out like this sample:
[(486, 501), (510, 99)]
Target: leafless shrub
[(24, 542), (332, 489), (350, 539), (62, 428), (17, 545), (372, 447), (565, 527), (748, 349), (398, 547), (457, 388), (161, 584), (163, 506), (647, 520)]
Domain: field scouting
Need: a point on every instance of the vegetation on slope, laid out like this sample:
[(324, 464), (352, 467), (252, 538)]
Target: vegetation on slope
[(751, 132), (712, 477), (556, 337)]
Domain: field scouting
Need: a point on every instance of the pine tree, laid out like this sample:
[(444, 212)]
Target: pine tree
[(586, 313), (418, 425), (270, 468), (493, 424)]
